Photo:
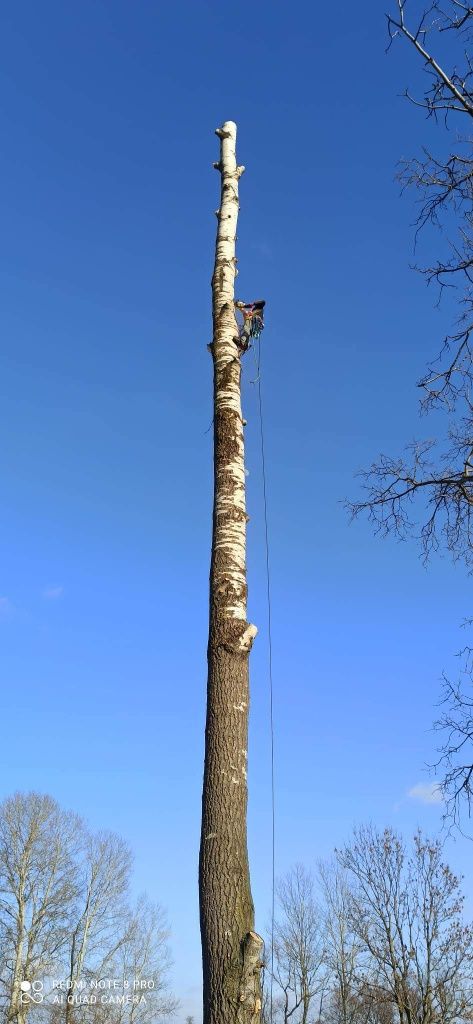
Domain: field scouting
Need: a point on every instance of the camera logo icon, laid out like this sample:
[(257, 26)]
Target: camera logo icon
[(31, 992)]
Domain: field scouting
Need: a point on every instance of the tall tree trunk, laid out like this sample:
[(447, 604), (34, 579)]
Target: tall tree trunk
[(231, 950)]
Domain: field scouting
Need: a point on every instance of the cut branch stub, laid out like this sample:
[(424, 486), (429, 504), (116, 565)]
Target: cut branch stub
[(250, 984)]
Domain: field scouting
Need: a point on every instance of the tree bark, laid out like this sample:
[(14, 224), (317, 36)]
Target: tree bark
[(231, 950)]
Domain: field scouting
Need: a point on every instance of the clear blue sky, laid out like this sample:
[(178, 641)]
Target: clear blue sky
[(107, 200)]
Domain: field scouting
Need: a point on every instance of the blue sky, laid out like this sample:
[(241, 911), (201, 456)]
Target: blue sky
[(107, 202)]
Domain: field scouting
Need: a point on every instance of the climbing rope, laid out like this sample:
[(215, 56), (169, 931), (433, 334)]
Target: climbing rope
[(270, 664)]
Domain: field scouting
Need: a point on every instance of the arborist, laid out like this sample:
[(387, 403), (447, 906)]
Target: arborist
[(253, 321)]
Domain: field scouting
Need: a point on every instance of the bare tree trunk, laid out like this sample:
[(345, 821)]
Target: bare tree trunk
[(231, 950)]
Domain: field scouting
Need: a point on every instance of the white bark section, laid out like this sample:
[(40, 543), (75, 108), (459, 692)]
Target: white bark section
[(247, 637), (230, 507)]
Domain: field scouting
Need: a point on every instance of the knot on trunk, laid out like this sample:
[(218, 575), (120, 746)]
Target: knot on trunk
[(235, 635)]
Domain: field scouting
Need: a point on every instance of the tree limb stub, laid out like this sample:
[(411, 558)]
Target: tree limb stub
[(250, 996)]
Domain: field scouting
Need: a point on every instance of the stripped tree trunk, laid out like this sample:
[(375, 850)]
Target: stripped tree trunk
[(231, 950)]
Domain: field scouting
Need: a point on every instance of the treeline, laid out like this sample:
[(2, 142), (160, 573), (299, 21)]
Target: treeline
[(375, 937), (73, 945)]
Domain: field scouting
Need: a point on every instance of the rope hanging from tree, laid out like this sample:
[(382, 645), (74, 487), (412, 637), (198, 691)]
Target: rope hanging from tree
[(257, 353)]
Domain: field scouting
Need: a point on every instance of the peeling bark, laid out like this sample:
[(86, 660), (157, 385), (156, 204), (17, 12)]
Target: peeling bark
[(231, 950)]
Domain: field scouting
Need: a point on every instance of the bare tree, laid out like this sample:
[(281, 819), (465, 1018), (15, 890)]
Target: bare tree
[(38, 888), (144, 961), (428, 490), (366, 1005), (65, 915), (351, 998), (406, 909), (380, 940), (343, 949), (438, 474), (455, 726), (299, 955), (97, 928)]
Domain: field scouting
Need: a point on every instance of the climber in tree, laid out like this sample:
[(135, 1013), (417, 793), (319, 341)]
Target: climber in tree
[(253, 321)]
